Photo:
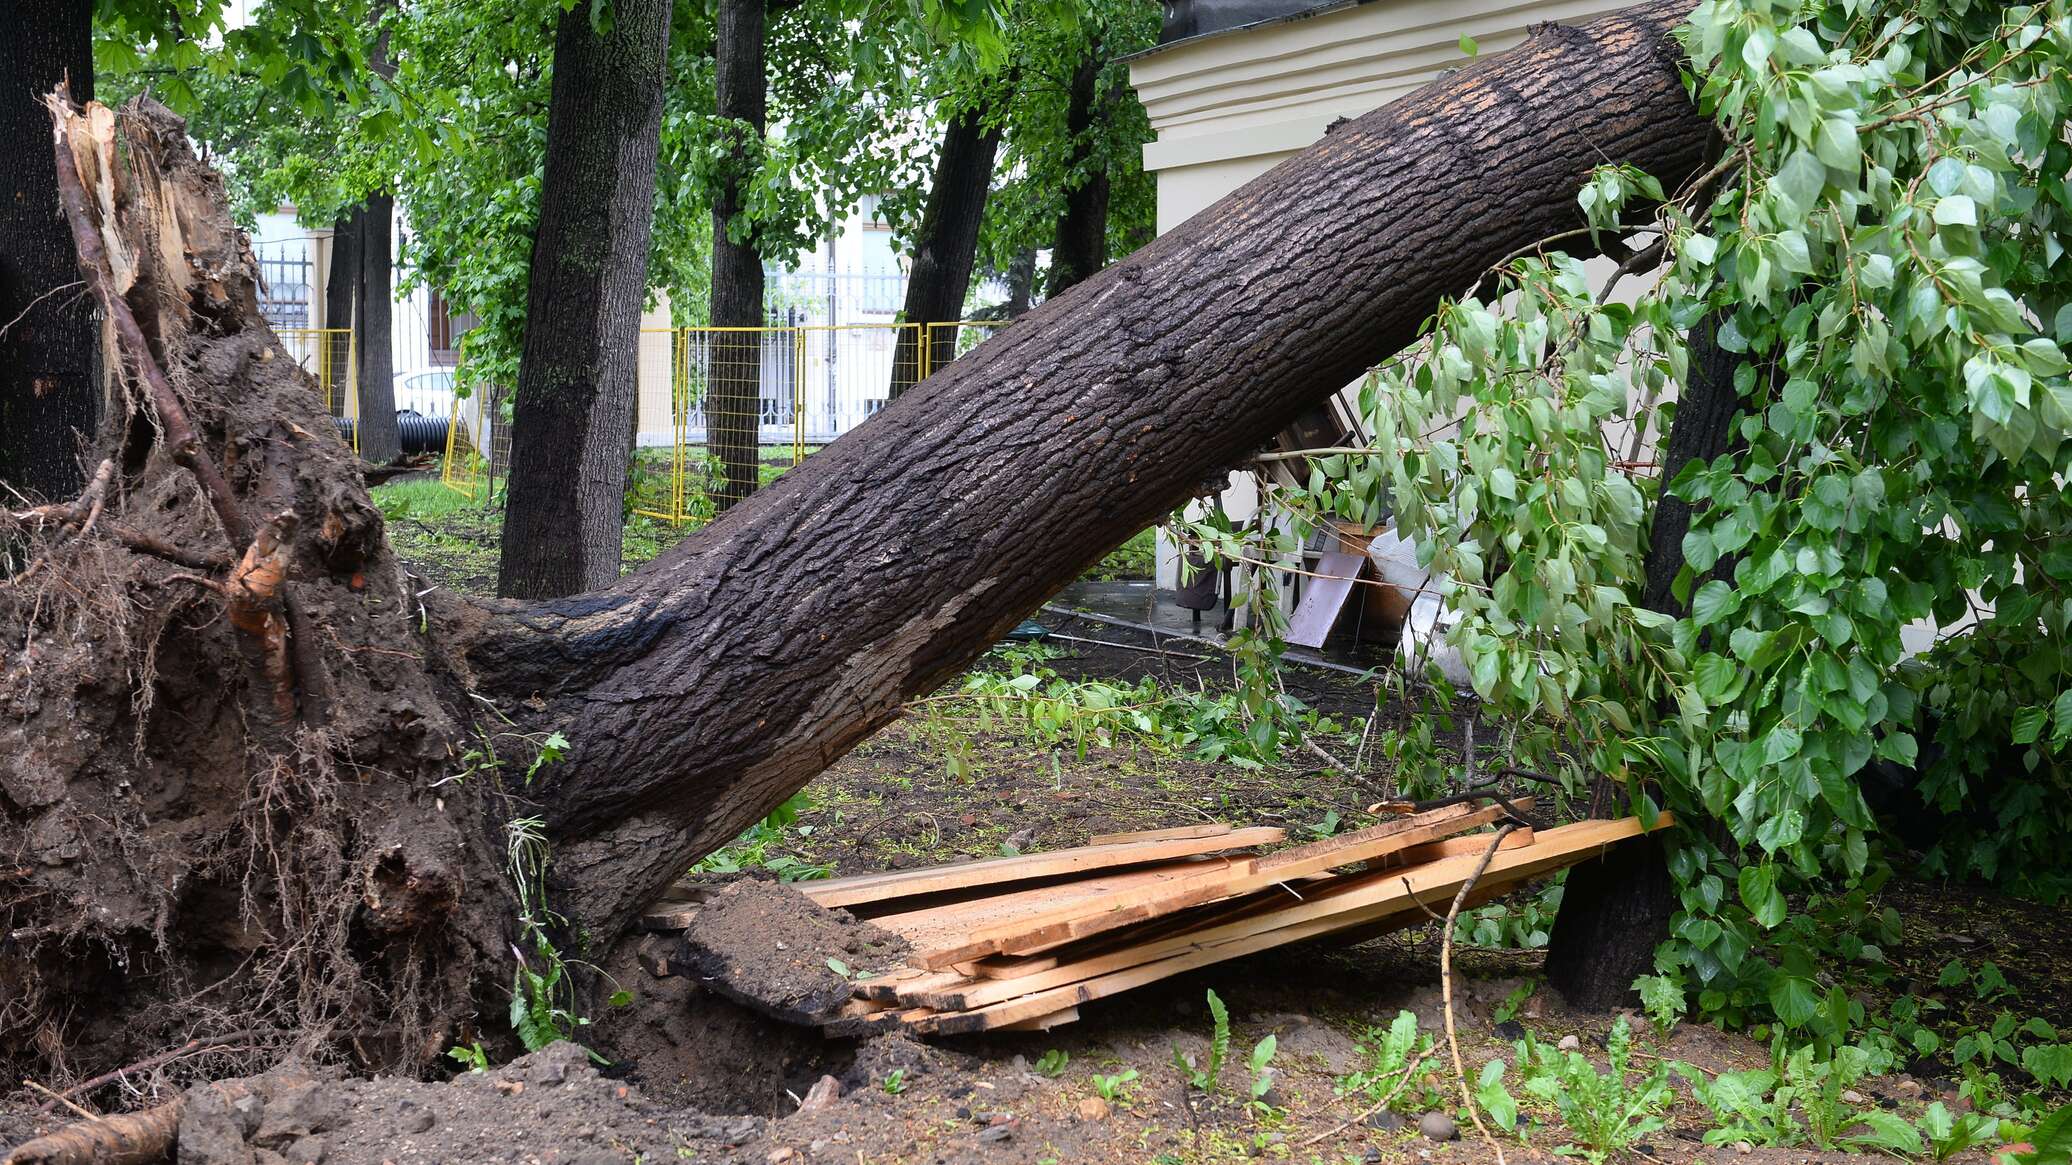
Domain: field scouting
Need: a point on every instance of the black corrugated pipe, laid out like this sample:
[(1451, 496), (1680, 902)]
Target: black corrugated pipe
[(420, 434)]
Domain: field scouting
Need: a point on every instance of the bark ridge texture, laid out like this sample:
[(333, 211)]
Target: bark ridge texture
[(578, 374)]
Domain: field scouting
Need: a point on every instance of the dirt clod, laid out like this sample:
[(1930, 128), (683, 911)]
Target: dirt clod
[(772, 948), (1438, 1126)]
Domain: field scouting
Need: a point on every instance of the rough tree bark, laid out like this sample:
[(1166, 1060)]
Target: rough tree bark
[(373, 331), (705, 688), (563, 514), (946, 245), (50, 339), (341, 296), (1080, 246), (1616, 910), (734, 392), (380, 442)]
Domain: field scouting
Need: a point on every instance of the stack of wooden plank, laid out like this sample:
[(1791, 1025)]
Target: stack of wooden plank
[(1020, 942)]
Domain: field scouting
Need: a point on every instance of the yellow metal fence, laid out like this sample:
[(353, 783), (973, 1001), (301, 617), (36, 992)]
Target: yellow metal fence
[(329, 355), (723, 410)]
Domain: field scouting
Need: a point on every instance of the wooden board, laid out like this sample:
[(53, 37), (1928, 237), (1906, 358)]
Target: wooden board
[(1044, 1023), (1026, 867), (1028, 933), (947, 924), (1227, 919), (1360, 901)]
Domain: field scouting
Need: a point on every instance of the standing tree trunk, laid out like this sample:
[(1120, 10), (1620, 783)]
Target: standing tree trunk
[(50, 338), (374, 331), (564, 516), (1021, 284), (380, 442), (1081, 245), (734, 396), (367, 858), (1616, 910), (341, 295), (946, 246)]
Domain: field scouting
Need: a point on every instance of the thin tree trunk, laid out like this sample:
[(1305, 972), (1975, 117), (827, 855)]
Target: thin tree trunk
[(1080, 247), (380, 442), (1616, 910), (946, 246), (700, 691), (1021, 283), (374, 332), (50, 335), (341, 294), (565, 509), (734, 396)]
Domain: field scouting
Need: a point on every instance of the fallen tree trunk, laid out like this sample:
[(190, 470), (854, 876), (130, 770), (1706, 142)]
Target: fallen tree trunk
[(164, 846)]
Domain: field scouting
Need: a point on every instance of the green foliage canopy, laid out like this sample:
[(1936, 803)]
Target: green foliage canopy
[(1883, 242)]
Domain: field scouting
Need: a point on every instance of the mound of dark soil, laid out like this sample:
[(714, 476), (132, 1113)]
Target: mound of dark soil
[(775, 950)]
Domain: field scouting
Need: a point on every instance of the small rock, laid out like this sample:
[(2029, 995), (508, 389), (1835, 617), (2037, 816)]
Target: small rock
[(1021, 839), (267, 1157), (414, 1118), (818, 1146), (1909, 1088), (1570, 1043), (1510, 1029), (249, 1109), (297, 1111), (996, 1134), (1438, 1127), (1018, 1065), (210, 1133), (510, 1087), (992, 1118), (555, 1063), (596, 1157), (1851, 1096), (1743, 1147), (306, 1151), (1385, 1120), (1093, 1108), (782, 1156), (823, 1093), (1371, 1156)]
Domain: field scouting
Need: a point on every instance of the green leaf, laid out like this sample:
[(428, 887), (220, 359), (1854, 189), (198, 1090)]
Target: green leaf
[(1956, 210), (1467, 45), (1715, 601), (1759, 893), (1795, 999)]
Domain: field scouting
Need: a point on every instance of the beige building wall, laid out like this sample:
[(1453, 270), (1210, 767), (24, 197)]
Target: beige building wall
[(1226, 106)]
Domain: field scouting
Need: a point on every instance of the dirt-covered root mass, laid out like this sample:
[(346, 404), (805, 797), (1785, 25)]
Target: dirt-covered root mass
[(217, 805)]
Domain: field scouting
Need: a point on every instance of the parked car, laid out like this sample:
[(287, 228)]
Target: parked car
[(427, 392)]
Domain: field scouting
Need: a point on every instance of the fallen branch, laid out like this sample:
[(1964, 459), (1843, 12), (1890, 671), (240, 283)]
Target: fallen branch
[(197, 1044), (1409, 1072), (130, 1139), (1460, 1071), (55, 1098), (137, 1138)]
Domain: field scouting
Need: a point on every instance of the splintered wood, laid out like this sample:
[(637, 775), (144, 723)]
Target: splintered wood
[(1019, 943)]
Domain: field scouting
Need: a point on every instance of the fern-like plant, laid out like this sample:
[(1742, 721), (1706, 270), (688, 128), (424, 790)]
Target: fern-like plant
[(1603, 1111), (1204, 1077)]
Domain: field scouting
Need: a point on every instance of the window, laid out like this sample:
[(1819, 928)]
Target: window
[(442, 336)]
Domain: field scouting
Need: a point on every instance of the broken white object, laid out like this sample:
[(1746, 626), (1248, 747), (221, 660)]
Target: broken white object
[(1424, 641)]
